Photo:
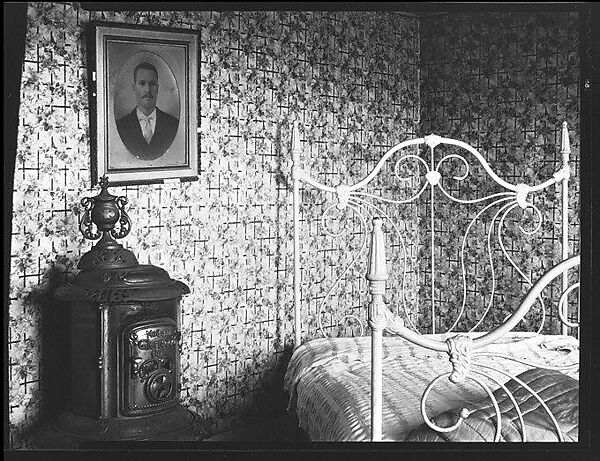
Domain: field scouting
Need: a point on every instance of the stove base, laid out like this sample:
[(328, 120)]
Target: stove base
[(177, 423)]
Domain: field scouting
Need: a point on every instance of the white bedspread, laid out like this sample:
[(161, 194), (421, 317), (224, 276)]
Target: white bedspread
[(329, 381)]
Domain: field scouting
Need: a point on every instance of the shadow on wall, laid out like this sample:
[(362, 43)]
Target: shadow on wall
[(55, 338)]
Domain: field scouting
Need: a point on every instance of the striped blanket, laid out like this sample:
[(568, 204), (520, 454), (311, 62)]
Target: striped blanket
[(329, 381)]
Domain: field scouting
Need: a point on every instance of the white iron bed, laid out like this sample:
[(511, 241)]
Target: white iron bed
[(398, 384)]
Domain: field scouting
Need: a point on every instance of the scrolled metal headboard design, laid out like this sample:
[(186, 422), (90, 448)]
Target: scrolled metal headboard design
[(366, 206)]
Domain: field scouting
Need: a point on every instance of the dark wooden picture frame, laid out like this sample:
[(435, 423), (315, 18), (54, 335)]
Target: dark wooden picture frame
[(138, 71)]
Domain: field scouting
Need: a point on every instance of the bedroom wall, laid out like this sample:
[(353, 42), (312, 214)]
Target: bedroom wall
[(503, 83), (352, 81)]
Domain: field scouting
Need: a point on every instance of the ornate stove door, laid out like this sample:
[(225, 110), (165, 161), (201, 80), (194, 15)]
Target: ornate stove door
[(149, 369)]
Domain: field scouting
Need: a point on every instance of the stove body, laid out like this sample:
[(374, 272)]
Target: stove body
[(125, 338)]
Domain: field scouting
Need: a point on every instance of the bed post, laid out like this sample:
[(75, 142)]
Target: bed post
[(377, 276), (565, 150), (296, 148)]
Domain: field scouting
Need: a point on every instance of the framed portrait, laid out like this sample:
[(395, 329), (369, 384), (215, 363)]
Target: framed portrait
[(144, 104)]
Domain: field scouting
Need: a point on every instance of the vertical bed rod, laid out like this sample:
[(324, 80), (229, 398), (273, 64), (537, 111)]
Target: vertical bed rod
[(432, 218), (296, 149), (565, 150), (377, 276)]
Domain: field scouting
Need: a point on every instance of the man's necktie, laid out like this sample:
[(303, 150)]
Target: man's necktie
[(147, 129)]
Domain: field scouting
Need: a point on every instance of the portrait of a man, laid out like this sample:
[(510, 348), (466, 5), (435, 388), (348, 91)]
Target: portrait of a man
[(147, 131), (146, 119)]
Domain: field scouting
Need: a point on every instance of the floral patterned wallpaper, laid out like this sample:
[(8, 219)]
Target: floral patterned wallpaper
[(350, 78), (503, 83), (358, 83)]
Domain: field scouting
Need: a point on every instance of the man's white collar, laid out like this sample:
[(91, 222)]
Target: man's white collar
[(141, 115)]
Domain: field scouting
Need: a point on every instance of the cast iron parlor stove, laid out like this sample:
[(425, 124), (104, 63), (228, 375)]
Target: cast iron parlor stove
[(125, 338)]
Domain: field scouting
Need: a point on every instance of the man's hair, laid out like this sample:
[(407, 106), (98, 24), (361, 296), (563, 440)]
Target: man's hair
[(143, 65)]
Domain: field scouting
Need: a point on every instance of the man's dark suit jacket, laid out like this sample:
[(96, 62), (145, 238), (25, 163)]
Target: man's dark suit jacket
[(133, 138)]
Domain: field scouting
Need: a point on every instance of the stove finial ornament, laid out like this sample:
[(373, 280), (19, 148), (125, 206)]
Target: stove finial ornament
[(103, 212)]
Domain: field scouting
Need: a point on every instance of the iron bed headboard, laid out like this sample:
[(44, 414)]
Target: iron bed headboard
[(511, 197), (460, 347)]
